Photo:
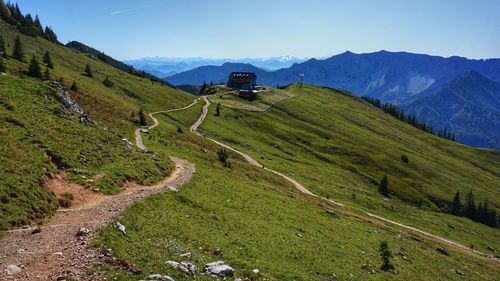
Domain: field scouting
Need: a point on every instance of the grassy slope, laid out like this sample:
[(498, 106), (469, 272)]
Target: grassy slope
[(34, 124), (254, 218), (340, 147)]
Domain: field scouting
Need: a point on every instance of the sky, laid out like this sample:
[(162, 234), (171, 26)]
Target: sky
[(131, 29)]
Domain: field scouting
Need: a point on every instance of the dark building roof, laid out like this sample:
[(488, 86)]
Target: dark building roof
[(238, 79)]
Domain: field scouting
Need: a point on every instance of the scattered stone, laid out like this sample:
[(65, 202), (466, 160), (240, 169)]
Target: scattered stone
[(158, 277), (186, 255), (83, 232), (218, 268), (256, 271), (490, 248), (204, 150), (20, 251), (36, 230), (299, 234), (12, 269), (368, 268), (443, 251), (60, 254), (186, 267), (331, 213), (120, 227)]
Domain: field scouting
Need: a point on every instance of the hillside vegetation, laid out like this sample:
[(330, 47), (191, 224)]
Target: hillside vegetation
[(253, 219), (40, 137), (341, 147)]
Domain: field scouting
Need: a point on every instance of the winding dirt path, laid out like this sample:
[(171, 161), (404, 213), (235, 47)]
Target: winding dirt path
[(301, 188), (55, 249), (138, 137)]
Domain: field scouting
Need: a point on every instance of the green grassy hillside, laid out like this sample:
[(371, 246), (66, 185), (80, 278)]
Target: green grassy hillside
[(253, 219), (341, 147), (40, 137)]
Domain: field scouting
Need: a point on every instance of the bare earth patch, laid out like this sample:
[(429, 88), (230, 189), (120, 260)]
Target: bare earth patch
[(57, 250)]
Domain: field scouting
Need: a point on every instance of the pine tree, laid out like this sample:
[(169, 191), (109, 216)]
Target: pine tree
[(48, 60), (108, 83), (74, 87), (88, 71), (470, 207), (384, 186), (18, 52), (217, 110), (142, 118), (34, 69), (385, 255), (203, 88), (3, 50), (456, 207)]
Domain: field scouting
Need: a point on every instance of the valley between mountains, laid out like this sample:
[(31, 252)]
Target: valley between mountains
[(110, 173)]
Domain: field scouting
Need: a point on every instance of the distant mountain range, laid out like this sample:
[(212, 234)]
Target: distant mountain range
[(454, 92), (164, 67)]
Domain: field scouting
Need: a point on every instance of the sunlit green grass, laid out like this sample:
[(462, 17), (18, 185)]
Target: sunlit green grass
[(252, 219)]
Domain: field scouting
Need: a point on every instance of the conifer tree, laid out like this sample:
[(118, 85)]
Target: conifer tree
[(18, 52), (88, 71), (456, 207), (217, 110), (385, 255), (3, 50), (34, 69), (384, 186), (74, 87), (48, 60), (108, 83), (142, 118), (470, 207), (203, 88)]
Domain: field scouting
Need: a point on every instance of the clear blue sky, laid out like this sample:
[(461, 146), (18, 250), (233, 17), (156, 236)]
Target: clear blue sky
[(129, 29)]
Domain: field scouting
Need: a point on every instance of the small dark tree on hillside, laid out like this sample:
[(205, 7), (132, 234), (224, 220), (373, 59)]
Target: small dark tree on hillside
[(74, 87), (48, 60), (386, 256), (18, 52), (456, 207), (203, 88), (108, 83), (405, 159), (88, 72), (384, 186), (470, 206), (34, 69), (223, 156), (142, 118), (217, 110), (102, 57), (3, 50)]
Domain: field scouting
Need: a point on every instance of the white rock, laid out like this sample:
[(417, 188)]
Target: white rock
[(12, 269), (186, 267), (186, 255), (255, 271), (120, 227), (218, 268), (83, 231)]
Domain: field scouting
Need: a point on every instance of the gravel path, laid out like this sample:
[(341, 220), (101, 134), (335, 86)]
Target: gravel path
[(301, 188)]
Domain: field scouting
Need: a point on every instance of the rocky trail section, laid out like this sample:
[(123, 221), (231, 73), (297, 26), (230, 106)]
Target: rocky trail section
[(301, 188), (61, 247)]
